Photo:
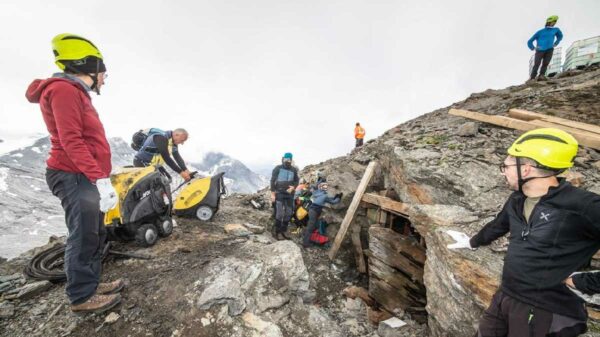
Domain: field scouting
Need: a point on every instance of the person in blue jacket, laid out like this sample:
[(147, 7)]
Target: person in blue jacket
[(284, 180), (546, 39), (319, 199)]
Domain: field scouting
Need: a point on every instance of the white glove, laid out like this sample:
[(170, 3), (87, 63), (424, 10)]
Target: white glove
[(462, 240), (108, 195)]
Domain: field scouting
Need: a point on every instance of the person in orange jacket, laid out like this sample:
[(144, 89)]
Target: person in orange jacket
[(359, 135)]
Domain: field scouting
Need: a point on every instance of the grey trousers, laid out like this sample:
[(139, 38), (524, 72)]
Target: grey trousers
[(87, 235), (284, 208)]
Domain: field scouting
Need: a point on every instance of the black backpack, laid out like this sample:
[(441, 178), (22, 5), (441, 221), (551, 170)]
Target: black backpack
[(139, 137)]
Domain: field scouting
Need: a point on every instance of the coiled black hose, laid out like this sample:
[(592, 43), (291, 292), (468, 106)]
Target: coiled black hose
[(48, 264)]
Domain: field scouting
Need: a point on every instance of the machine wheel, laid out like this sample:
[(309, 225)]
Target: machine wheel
[(146, 235), (164, 226), (204, 213)]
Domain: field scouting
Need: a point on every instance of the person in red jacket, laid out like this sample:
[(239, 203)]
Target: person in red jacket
[(78, 167)]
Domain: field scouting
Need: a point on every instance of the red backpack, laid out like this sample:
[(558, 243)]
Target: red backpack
[(318, 238)]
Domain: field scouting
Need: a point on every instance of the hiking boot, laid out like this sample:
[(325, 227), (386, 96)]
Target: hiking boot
[(110, 287), (278, 237), (542, 78), (285, 237), (97, 304)]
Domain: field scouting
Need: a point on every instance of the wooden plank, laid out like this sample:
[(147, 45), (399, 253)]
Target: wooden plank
[(382, 217), (387, 296), (493, 119), (575, 132), (397, 251), (585, 139), (386, 203), (396, 244), (395, 277), (358, 250), (362, 187), (530, 115)]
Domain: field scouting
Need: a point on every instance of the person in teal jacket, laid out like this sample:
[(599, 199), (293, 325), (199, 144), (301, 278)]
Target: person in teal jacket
[(546, 39)]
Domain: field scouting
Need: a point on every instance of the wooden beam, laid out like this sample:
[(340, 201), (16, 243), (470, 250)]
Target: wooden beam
[(394, 277), (397, 250), (386, 204), (362, 187), (493, 119), (575, 132), (358, 250), (530, 115), (585, 139)]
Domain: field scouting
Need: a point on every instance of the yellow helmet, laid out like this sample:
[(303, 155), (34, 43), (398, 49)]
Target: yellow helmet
[(71, 47), (552, 19), (552, 148)]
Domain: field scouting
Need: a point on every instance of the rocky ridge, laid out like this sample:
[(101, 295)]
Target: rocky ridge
[(218, 279)]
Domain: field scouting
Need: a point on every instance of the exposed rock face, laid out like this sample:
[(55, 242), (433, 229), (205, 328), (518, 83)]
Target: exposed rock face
[(453, 182)]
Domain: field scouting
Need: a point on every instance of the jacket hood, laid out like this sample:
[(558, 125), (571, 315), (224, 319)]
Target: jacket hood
[(36, 88)]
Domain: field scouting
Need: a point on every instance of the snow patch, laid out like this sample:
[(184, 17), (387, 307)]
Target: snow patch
[(17, 155), (3, 176), (36, 149)]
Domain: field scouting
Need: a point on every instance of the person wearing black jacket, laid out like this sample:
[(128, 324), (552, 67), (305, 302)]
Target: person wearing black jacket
[(159, 147), (554, 230), (284, 180)]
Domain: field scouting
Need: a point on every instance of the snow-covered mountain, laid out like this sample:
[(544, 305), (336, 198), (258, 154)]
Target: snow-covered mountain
[(29, 213), (238, 177)]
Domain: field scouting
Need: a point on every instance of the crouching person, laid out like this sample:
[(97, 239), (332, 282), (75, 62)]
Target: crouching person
[(319, 199)]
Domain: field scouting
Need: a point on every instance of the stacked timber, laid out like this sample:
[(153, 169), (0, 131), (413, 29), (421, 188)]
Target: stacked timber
[(396, 271)]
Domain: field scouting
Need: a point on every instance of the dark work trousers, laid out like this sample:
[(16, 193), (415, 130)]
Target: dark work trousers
[(359, 142), (543, 58), (314, 213), (284, 208), (509, 317), (83, 253)]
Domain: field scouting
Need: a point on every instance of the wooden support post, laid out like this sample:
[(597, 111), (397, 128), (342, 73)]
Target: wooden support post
[(362, 187), (358, 254)]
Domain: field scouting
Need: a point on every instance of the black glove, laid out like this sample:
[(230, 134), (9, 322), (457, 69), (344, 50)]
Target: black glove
[(339, 195)]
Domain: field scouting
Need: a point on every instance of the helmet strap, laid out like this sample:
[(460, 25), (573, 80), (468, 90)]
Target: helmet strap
[(95, 78), (522, 181)]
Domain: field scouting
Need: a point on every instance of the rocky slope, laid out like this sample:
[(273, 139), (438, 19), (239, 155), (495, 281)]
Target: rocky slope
[(207, 279), (446, 168), (216, 278)]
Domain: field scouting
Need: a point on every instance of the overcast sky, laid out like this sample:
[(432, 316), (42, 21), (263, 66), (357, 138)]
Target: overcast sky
[(255, 79)]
